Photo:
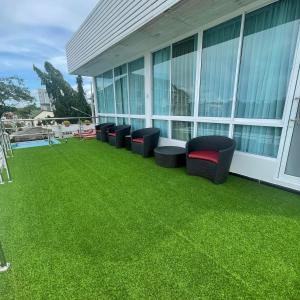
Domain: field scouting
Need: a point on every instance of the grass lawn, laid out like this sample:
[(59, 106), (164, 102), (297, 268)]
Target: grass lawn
[(84, 220)]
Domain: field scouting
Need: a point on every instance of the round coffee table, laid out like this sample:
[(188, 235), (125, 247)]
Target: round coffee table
[(170, 156)]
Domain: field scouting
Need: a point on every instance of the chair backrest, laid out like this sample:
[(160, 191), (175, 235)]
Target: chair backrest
[(146, 131), (213, 142), (120, 127)]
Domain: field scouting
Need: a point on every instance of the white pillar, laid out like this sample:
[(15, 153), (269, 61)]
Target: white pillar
[(148, 89)]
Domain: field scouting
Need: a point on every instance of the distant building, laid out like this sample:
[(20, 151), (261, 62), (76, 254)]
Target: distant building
[(45, 101)]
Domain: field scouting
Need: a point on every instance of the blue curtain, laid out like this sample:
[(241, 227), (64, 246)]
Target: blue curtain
[(102, 120), (163, 126), (108, 91), (121, 90), (212, 129), (161, 81), (257, 139), (137, 124), (111, 120), (182, 130), (183, 76), (122, 121), (137, 87), (218, 68), (269, 43)]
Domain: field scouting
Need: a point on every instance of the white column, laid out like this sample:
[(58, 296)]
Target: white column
[(95, 97), (148, 88)]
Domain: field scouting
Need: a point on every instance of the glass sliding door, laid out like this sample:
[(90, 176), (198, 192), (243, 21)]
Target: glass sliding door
[(183, 76), (182, 130), (270, 36), (108, 92), (163, 126), (218, 68), (137, 124), (161, 81), (121, 89), (137, 87)]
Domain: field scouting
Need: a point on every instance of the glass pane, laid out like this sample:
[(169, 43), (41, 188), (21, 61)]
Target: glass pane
[(136, 87), (122, 121), (183, 77), (137, 124), (121, 91), (212, 129), (109, 102), (161, 82), (100, 93), (102, 120), (270, 37), (293, 162), (163, 126), (257, 139), (182, 130), (218, 68), (111, 120)]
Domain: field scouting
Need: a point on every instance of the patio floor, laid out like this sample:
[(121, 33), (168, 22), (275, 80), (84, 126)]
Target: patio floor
[(84, 220)]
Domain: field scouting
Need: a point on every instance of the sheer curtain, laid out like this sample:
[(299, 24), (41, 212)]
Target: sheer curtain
[(163, 126), (161, 81), (257, 139), (182, 130), (218, 68), (100, 94), (108, 91), (183, 76), (212, 129), (137, 87), (270, 37), (137, 124), (121, 90)]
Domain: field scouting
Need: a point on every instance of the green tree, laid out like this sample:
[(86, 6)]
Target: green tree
[(28, 112), (63, 95), (12, 88), (81, 99)]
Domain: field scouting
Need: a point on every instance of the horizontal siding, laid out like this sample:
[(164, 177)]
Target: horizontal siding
[(109, 23)]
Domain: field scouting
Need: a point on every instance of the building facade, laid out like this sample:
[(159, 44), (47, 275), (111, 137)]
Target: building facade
[(201, 67), (45, 101)]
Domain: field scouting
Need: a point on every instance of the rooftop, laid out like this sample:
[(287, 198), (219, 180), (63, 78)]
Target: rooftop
[(85, 220)]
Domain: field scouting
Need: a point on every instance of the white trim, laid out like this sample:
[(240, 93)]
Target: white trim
[(148, 88)]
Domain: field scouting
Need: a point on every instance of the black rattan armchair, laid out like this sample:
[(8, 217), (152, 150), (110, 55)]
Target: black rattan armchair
[(102, 130), (116, 135), (210, 157), (143, 141)]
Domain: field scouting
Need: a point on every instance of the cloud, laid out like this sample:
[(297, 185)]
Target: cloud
[(35, 31)]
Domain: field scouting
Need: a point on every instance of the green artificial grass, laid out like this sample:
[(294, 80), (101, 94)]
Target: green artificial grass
[(84, 220)]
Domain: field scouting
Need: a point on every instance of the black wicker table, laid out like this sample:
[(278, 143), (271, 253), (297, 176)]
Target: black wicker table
[(170, 156)]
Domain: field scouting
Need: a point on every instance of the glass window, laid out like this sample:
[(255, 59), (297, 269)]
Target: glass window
[(137, 87), (182, 130), (121, 90), (212, 129), (183, 75), (108, 92), (163, 126), (257, 139), (100, 93), (270, 37), (161, 81), (137, 124), (111, 119), (102, 120), (218, 68), (122, 121)]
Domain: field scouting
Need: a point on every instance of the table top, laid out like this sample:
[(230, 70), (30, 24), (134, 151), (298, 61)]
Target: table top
[(170, 150)]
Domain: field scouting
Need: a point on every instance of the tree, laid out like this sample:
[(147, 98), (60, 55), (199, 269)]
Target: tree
[(63, 95), (28, 112), (13, 88), (81, 99)]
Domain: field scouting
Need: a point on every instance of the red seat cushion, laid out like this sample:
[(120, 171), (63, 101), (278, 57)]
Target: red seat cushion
[(209, 155), (138, 140), (112, 134)]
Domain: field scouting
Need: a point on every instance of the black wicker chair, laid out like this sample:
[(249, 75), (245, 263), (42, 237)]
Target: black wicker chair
[(116, 135), (210, 157), (143, 141), (102, 130)]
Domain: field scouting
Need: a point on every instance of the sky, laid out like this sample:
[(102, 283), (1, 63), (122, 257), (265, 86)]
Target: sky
[(35, 31)]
